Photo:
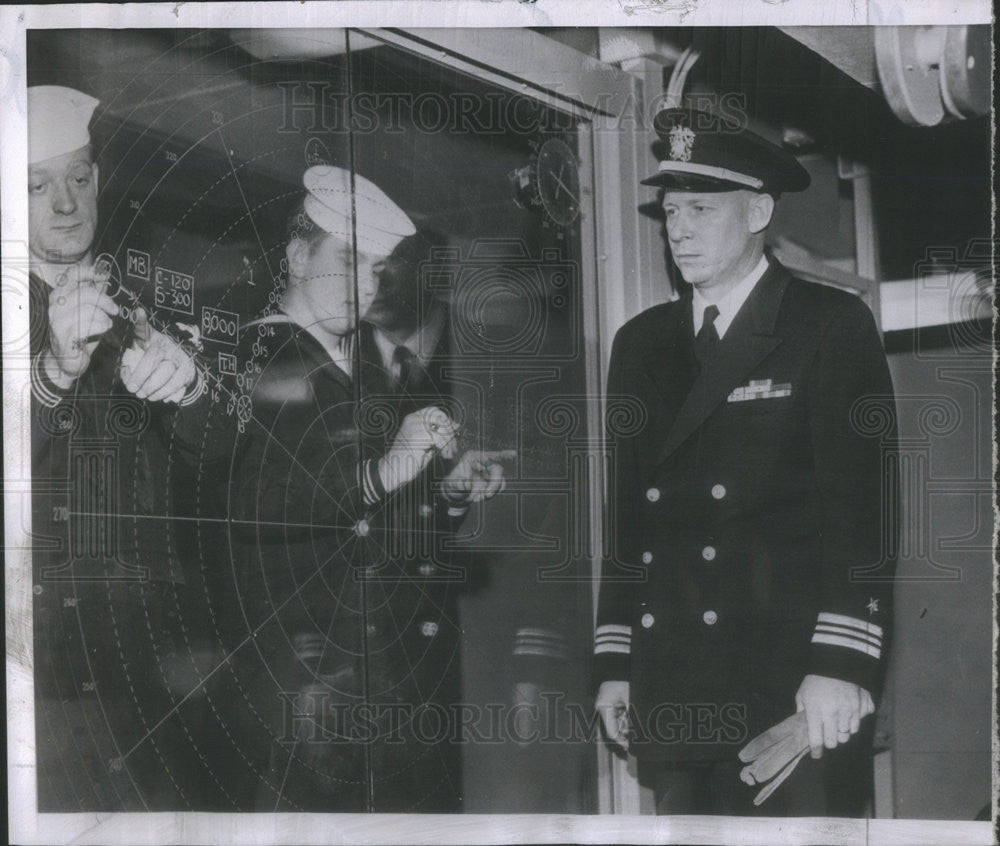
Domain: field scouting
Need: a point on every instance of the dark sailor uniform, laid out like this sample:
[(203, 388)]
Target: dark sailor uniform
[(120, 637), (343, 618)]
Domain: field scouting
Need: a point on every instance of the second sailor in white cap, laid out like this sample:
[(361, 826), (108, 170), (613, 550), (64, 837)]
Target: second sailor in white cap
[(339, 241), (345, 230), (314, 470)]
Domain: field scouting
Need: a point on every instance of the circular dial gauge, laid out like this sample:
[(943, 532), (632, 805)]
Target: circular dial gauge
[(557, 181)]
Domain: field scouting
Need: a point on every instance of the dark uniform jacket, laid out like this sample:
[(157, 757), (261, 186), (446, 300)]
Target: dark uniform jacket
[(751, 518), (97, 432), (353, 657), (119, 639)]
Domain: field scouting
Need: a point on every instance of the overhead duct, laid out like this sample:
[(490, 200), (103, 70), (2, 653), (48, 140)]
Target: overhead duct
[(925, 73)]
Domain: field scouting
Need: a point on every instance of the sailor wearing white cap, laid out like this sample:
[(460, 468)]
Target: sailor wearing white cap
[(62, 222), (62, 171), (108, 610), (346, 229), (335, 200), (311, 482)]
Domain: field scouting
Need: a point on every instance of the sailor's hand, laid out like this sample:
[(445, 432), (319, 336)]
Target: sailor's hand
[(423, 434), (156, 367), (80, 312), (477, 476)]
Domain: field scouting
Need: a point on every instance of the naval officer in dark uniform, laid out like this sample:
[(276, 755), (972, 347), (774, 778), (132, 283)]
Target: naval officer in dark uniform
[(751, 512)]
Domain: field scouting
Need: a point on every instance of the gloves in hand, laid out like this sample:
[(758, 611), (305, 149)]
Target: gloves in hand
[(774, 754)]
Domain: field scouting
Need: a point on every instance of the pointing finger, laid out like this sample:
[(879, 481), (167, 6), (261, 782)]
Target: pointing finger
[(500, 455), (495, 481), (147, 360), (142, 329)]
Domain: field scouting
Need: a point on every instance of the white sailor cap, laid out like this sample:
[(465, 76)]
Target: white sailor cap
[(58, 118), (381, 224)]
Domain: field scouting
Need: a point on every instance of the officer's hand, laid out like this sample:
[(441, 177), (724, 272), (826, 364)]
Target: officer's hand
[(834, 710), (477, 476), (612, 704), (156, 367), (422, 434), (80, 311)]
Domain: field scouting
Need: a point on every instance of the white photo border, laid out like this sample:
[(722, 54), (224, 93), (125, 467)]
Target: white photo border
[(26, 825)]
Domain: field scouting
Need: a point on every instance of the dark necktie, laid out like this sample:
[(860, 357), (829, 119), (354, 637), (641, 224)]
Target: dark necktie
[(408, 367), (708, 338)]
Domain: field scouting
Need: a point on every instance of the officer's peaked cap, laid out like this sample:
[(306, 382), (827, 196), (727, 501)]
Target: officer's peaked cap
[(706, 153)]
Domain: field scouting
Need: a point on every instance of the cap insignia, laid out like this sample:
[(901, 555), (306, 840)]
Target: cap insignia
[(681, 142)]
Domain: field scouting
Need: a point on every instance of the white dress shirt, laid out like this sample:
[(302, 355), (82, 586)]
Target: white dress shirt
[(731, 303)]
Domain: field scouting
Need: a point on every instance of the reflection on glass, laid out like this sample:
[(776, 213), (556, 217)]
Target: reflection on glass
[(403, 652), (492, 311)]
